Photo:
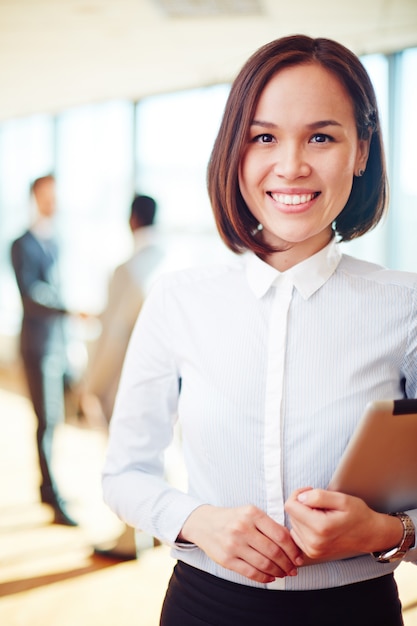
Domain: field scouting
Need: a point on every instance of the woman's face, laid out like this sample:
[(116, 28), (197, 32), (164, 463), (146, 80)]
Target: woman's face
[(302, 152)]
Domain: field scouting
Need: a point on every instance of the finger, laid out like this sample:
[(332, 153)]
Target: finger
[(250, 566), (275, 541), (298, 538), (323, 499), (272, 557), (296, 493), (298, 510), (249, 571), (266, 565)]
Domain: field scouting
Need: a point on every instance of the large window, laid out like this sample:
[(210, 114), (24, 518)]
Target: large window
[(160, 146), (175, 135)]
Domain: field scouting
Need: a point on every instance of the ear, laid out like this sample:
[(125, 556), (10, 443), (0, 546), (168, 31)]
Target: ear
[(362, 155)]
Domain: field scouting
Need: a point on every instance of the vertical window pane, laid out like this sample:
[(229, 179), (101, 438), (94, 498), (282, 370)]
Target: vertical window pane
[(175, 136), (373, 245), (95, 186), (404, 190), (26, 152)]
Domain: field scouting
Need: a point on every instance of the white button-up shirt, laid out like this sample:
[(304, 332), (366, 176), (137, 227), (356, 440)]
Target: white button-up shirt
[(268, 373)]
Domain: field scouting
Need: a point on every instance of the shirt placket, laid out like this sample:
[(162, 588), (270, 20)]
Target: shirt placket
[(283, 289)]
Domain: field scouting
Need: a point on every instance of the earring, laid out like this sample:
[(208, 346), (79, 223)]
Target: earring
[(361, 173), (257, 230)]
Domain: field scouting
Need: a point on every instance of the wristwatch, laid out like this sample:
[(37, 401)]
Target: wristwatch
[(407, 541)]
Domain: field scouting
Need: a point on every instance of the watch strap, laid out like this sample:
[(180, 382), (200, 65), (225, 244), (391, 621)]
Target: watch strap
[(407, 541)]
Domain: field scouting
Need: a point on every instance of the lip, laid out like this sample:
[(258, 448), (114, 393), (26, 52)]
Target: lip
[(293, 201)]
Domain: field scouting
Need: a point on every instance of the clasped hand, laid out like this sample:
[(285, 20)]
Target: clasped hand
[(329, 525), (244, 539), (325, 526)]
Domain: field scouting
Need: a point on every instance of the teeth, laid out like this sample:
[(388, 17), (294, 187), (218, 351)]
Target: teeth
[(292, 198)]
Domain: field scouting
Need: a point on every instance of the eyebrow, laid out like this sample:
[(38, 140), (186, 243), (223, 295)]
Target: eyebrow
[(312, 126)]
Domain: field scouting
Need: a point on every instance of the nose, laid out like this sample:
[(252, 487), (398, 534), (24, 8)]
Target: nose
[(290, 162)]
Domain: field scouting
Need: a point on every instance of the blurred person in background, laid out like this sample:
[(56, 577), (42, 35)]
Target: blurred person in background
[(127, 291), (43, 339)]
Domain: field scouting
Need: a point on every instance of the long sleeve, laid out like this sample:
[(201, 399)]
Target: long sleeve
[(35, 276), (142, 428)]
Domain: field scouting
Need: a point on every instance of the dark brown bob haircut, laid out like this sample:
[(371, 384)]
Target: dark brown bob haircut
[(369, 195)]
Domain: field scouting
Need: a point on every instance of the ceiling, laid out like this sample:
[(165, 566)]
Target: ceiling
[(56, 54)]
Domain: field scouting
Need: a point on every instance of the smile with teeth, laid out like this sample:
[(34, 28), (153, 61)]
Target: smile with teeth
[(294, 198)]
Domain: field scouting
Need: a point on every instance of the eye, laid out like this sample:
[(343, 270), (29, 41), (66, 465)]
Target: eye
[(321, 138), (264, 138)]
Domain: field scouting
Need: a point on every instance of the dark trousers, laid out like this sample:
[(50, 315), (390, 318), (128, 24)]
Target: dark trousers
[(45, 378), (195, 598)]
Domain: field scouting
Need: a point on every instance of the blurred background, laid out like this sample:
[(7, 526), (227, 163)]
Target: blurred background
[(118, 97), (123, 97)]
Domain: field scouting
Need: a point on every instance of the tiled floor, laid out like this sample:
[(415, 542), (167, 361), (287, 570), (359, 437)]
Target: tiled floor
[(49, 575)]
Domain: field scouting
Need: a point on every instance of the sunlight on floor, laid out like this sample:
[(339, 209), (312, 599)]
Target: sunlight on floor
[(49, 575)]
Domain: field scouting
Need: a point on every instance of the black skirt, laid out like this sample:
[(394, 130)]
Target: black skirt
[(196, 598)]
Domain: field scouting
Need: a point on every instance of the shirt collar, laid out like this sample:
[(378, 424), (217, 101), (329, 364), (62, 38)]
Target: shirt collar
[(144, 237), (43, 228), (307, 276)]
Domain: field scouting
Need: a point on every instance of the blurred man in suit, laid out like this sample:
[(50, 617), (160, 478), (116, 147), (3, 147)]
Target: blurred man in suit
[(42, 339)]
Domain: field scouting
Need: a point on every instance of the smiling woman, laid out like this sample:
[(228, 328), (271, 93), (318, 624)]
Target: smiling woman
[(250, 358)]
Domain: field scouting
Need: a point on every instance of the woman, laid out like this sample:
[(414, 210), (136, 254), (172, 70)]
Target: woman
[(269, 363)]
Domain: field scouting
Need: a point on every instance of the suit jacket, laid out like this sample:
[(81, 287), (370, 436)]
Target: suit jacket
[(35, 266), (128, 288)]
